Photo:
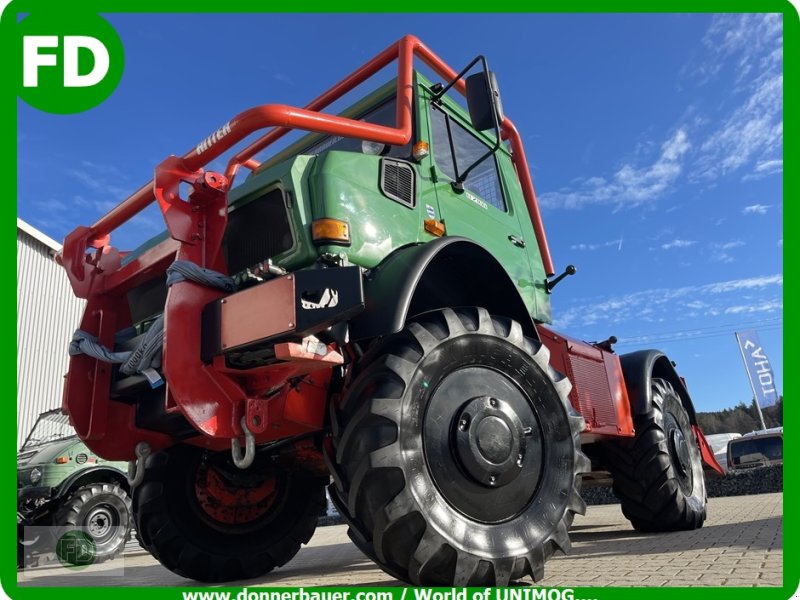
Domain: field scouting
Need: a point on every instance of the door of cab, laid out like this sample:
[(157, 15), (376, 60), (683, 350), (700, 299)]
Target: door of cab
[(484, 211)]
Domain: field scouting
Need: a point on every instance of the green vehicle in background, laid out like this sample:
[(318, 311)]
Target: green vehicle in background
[(61, 486)]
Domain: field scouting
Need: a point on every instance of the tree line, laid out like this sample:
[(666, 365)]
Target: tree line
[(742, 418)]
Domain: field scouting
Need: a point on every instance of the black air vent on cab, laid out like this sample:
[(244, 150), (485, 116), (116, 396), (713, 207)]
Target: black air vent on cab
[(398, 181)]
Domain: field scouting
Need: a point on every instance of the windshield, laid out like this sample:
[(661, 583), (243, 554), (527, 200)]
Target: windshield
[(757, 449), (719, 441), (49, 427), (384, 114)]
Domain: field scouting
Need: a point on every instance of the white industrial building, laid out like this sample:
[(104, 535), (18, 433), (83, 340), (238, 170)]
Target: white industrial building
[(47, 315)]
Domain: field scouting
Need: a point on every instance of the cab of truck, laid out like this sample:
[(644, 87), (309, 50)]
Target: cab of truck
[(762, 448)]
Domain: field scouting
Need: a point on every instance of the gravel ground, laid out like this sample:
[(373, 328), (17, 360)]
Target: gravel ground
[(763, 480)]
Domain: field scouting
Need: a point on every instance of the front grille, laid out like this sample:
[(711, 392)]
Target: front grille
[(24, 477), (397, 181), (257, 231)]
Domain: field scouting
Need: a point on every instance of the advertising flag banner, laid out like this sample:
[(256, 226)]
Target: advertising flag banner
[(759, 370)]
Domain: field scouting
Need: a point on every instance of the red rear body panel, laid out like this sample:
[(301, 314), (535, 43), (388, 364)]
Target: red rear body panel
[(598, 388)]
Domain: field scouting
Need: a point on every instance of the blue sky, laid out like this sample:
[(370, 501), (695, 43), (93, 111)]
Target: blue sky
[(655, 141)]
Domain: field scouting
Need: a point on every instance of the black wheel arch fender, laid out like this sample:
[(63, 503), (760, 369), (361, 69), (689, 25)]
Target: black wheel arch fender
[(96, 474), (639, 368), (447, 272)]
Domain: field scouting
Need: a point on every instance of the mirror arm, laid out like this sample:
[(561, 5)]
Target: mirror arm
[(452, 147), (458, 184), (437, 96)]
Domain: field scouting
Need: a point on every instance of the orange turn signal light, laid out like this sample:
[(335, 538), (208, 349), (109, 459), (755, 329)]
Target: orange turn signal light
[(434, 227), (420, 150), (330, 231), (62, 460)]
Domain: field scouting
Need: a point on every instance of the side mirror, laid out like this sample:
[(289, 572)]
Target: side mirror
[(483, 101)]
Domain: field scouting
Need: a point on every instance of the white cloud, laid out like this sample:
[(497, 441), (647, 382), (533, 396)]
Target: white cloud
[(756, 209), (657, 304), (742, 42), (751, 46), (772, 305), (753, 130), (678, 244), (764, 168), (100, 180), (593, 247), (769, 166), (630, 185), (108, 170), (720, 250), (729, 245), (283, 78), (742, 284), (744, 133)]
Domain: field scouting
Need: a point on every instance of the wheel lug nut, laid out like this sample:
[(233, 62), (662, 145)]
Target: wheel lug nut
[(493, 402), (519, 459), (492, 479), (463, 424)]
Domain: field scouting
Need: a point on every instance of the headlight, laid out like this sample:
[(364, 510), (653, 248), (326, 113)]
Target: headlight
[(36, 476), (372, 148)]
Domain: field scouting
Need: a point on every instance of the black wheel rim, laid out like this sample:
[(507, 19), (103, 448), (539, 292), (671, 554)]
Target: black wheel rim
[(679, 453), (483, 444)]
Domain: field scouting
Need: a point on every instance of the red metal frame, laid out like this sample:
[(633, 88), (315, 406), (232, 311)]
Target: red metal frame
[(210, 397), (598, 390), (706, 452)]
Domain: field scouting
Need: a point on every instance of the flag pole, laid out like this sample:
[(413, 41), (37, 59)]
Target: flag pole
[(750, 379)]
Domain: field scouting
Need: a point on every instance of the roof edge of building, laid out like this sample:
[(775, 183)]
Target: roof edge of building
[(38, 235)]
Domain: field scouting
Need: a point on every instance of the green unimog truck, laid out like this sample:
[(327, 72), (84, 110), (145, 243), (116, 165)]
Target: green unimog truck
[(63, 486), (368, 311)]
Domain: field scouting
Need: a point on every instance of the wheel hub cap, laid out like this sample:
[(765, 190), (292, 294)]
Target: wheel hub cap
[(483, 444), (679, 451), (99, 523), (490, 441)]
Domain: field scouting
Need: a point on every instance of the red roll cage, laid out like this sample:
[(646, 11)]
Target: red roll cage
[(283, 119)]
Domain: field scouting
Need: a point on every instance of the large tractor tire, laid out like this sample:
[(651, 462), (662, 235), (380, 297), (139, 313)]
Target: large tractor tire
[(103, 511), (659, 476), (204, 519), (456, 454)]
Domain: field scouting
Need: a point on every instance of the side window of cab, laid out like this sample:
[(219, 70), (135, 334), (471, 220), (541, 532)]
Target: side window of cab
[(455, 149)]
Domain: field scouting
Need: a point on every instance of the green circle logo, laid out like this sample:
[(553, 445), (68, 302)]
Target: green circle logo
[(76, 550), (69, 62)]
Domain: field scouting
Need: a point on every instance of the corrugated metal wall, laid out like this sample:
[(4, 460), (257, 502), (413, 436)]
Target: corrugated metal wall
[(47, 315)]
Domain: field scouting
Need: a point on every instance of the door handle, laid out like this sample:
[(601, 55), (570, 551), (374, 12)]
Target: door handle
[(517, 241)]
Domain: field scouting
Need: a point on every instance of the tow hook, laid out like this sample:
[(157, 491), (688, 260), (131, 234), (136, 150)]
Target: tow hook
[(136, 467), (244, 461)]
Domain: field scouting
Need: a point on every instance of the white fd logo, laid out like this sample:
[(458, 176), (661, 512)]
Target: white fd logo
[(33, 59)]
